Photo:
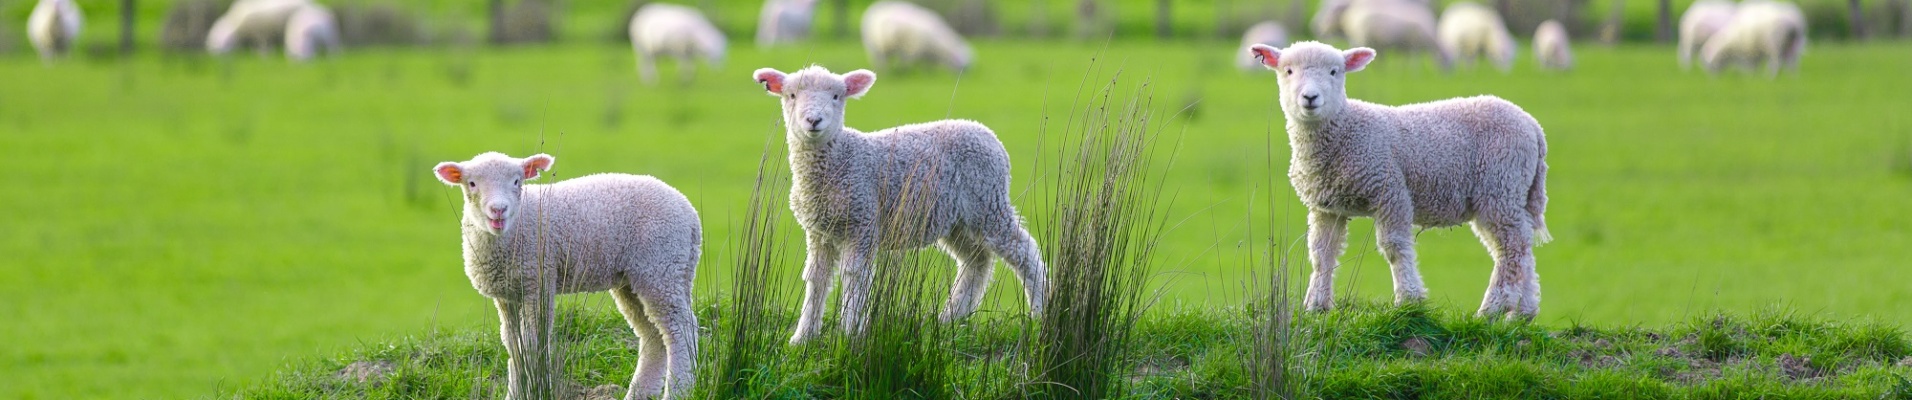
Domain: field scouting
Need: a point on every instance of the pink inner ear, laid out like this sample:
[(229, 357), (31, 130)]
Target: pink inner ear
[(1267, 55), (534, 165), (1359, 58), (772, 81), (449, 173), (858, 82)]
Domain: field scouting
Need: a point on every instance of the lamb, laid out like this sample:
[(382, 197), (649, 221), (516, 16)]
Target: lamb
[(254, 22), (53, 27), (785, 21), (1267, 32), (1478, 159), (856, 193), (1700, 21), (679, 32), (310, 31), (634, 236), (1406, 25), (1472, 31), (897, 33), (1552, 47), (1772, 33)]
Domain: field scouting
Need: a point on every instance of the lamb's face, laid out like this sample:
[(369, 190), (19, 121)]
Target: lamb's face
[(492, 183), (813, 98), (1313, 77)]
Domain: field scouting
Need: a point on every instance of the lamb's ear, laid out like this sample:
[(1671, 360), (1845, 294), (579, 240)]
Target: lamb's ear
[(1358, 58), (535, 164), (772, 80), (449, 173), (1267, 55), (858, 82)]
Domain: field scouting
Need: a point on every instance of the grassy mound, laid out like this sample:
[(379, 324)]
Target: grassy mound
[(1359, 351)]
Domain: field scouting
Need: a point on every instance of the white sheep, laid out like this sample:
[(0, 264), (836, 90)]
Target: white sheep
[(1436, 164), (53, 27), (258, 23), (785, 21), (1406, 25), (1267, 32), (1473, 31), (1552, 47), (679, 32), (1772, 33), (901, 34), (856, 193), (310, 31), (633, 236), (1700, 21)]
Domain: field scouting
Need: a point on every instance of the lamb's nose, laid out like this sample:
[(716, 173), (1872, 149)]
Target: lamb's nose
[(498, 211), (1310, 97), (814, 121)]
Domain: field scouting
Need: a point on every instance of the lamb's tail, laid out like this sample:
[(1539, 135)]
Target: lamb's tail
[(1537, 194)]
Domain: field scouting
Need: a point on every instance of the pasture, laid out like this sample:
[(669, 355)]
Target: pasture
[(177, 226)]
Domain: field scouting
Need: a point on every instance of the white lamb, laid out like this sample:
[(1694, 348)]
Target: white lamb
[(1473, 31), (53, 27), (258, 23), (1700, 21), (679, 32), (1437, 164), (1768, 33), (1406, 25), (1552, 47), (310, 31), (785, 21), (902, 34), (1267, 32), (855, 193), (631, 235)]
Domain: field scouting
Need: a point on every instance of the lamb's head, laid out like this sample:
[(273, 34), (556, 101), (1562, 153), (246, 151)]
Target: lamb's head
[(1314, 77), (493, 183), (813, 98)]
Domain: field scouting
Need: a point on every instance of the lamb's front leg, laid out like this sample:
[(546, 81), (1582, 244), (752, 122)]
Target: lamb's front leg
[(1394, 230), (857, 274), (508, 332), (1327, 233), (819, 275)]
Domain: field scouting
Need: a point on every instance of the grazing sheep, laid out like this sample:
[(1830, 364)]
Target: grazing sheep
[(1406, 25), (1437, 164), (1552, 47), (53, 27), (1772, 33), (258, 23), (631, 235), (1472, 31), (901, 34), (679, 32), (310, 31), (1267, 32), (1700, 21), (785, 21), (855, 193)]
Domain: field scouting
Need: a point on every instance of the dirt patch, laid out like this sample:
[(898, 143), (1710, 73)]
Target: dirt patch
[(1417, 346), (1797, 368), (373, 372), (1906, 362)]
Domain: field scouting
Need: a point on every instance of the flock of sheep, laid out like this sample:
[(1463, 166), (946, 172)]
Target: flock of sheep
[(1769, 34)]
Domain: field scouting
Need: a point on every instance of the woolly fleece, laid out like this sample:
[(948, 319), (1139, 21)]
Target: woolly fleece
[(631, 235), (855, 193), (1437, 164)]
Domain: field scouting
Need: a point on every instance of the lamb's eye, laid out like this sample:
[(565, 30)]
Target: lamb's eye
[(472, 184), (836, 97), (517, 181), (1331, 72), (1291, 71)]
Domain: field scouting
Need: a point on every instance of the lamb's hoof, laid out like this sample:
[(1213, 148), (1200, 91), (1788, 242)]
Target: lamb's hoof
[(1318, 305), (1404, 300)]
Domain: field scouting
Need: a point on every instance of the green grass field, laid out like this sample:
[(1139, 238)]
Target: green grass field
[(178, 226)]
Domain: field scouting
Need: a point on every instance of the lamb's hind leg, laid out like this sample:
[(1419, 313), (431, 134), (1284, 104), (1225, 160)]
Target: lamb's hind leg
[(648, 381), (676, 320), (1009, 240), (973, 274), (1514, 287)]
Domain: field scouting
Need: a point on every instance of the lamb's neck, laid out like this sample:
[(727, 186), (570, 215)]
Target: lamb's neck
[(814, 156)]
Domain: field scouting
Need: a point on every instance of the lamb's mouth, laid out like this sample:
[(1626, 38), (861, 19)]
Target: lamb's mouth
[(496, 223)]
